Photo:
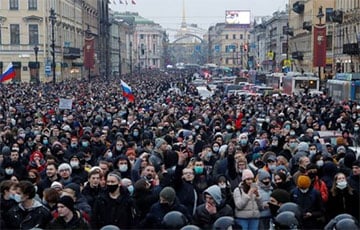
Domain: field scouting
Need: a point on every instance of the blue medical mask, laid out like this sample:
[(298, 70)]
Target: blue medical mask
[(199, 169), (16, 197), (85, 144), (243, 142), (131, 189)]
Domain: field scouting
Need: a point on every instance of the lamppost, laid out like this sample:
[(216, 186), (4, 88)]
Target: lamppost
[(36, 50), (120, 56), (88, 35), (320, 15), (52, 18), (131, 58)]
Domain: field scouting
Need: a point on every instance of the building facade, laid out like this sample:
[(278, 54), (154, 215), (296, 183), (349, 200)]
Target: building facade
[(19, 38)]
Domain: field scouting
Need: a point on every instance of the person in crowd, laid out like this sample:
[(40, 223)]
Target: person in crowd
[(115, 200), (278, 197), (342, 198), (247, 202), (50, 198), (9, 197), (316, 182), (213, 208), (78, 173), (28, 213), (64, 171), (354, 178), (49, 177), (69, 217), (265, 189), (167, 203), (310, 202), (92, 188)]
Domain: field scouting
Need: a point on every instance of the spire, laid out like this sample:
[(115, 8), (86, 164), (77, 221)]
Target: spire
[(183, 23)]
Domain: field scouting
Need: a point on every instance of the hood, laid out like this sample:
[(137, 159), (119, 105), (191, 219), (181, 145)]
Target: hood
[(35, 204), (215, 192)]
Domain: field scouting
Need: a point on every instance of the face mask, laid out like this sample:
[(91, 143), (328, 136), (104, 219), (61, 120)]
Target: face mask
[(45, 142), (275, 143), (209, 154), (293, 145), (267, 120), (87, 158), (123, 168), (343, 125), (186, 121), (9, 171), (85, 144), (356, 128), (304, 190), (30, 144), (319, 163), (222, 185), (22, 135), (265, 182), (131, 189), (197, 126), (228, 127), (272, 167), (287, 127), (273, 209), (216, 149), (16, 197), (110, 154), (341, 185), (135, 134), (74, 164), (243, 142), (73, 145), (292, 133), (112, 188), (32, 180), (198, 169), (118, 148)]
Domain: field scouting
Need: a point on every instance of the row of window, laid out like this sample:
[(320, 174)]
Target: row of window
[(15, 34), (14, 4), (234, 36)]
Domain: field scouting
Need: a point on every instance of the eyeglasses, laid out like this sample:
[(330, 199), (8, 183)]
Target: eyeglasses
[(64, 170)]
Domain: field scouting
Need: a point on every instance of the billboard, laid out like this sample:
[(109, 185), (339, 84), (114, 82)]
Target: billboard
[(237, 17)]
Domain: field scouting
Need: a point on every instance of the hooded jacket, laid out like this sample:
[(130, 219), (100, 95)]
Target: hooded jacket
[(246, 206), (203, 218)]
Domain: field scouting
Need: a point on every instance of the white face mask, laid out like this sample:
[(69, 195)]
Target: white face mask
[(319, 163), (341, 185), (123, 168), (9, 171), (312, 152), (74, 164), (304, 190), (222, 185)]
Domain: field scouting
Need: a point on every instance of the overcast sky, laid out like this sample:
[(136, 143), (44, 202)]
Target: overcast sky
[(204, 13)]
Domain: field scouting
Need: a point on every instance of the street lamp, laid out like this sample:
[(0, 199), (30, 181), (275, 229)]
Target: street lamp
[(88, 35), (320, 15), (52, 18), (130, 57), (36, 50)]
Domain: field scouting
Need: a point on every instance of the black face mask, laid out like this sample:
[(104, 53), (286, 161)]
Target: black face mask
[(32, 180), (273, 209), (112, 188), (266, 182)]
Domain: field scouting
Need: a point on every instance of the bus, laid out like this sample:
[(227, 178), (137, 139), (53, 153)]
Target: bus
[(345, 86), (275, 80), (296, 83)]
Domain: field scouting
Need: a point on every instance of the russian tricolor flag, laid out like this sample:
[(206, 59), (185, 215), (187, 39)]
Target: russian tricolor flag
[(8, 74), (127, 92)]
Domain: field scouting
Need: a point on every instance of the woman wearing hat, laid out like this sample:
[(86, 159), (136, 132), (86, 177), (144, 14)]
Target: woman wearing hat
[(247, 202)]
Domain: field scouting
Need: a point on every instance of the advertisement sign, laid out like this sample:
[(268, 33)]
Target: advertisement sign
[(241, 17), (89, 52)]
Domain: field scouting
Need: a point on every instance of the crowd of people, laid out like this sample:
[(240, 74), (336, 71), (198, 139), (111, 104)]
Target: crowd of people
[(172, 159)]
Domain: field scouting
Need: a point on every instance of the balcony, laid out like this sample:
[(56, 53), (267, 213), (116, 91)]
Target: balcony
[(298, 55), (351, 48), (298, 7)]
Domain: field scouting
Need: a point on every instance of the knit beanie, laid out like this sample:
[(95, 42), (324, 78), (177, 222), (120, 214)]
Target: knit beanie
[(281, 195), (68, 202), (168, 193), (303, 182), (246, 174), (263, 174), (159, 142), (303, 147)]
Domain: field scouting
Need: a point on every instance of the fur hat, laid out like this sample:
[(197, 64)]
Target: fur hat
[(246, 174), (303, 182)]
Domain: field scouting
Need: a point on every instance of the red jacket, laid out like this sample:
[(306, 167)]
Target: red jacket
[(321, 187)]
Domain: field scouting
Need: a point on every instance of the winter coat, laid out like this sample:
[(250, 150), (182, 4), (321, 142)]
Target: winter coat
[(246, 206), (77, 222), (109, 211), (322, 188), (343, 202), (90, 194), (202, 218), (19, 218), (265, 192)]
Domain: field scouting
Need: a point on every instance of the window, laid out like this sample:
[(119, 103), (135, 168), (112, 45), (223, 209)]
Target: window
[(154, 48), (32, 4), (328, 14), (241, 36), (33, 34), (0, 34), (14, 4), (14, 34), (226, 36), (234, 36), (141, 36)]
